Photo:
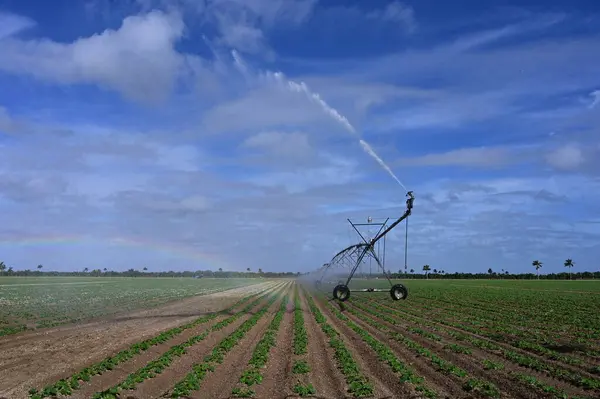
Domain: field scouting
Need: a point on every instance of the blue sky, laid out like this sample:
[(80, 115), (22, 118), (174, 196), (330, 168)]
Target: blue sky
[(132, 136)]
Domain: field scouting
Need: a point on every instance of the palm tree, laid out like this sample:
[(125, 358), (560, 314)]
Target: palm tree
[(220, 269), (10, 270), (426, 268), (537, 264), (145, 269), (85, 270), (490, 271), (569, 263), (2, 267), (39, 267), (247, 269), (259, 270)]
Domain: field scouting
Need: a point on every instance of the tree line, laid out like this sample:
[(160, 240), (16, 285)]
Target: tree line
[(503, 274), (496, 276), (428, 273), (144, 272)]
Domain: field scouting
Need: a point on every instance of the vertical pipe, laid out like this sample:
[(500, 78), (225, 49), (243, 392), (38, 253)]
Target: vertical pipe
[(406, 248), (384, 253)]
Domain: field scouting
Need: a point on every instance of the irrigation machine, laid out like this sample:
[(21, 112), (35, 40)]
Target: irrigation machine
[(345, 264)]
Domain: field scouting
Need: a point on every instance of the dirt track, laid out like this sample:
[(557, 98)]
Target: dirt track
[(41, 358)]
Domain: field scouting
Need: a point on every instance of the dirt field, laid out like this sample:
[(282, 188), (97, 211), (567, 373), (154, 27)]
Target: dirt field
[(278, 340)]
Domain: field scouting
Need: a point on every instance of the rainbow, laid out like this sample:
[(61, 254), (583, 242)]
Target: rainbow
[(205, 259)]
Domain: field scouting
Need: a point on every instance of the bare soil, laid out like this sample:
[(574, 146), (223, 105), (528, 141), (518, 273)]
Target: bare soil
[(279, 379)]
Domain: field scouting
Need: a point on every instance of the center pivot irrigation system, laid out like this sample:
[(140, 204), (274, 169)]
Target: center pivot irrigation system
[(351, 258)]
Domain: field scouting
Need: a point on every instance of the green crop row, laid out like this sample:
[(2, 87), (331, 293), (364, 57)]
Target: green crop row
[(358, 384), (300, 365), (157, 366), (558, 372), (252, 375), (192, 381), (482, 344), (502, 329), (470, 384), (67, 385), (584, 320), (521, 344), (532, 363), (300, 336), (385, 354), (12, 330)]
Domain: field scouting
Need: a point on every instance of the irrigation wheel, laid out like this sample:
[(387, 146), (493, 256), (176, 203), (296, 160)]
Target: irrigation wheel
[(398, 291), (341, 292)]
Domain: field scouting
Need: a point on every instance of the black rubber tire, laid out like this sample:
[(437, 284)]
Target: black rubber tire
[(341, 292), (398, 291)]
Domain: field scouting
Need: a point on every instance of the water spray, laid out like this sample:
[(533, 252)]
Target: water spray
[(303, 88), (372, 153), (329, 110)]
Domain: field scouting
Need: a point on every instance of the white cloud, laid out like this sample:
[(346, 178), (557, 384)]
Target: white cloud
[(139, 59), (595, 98), (249, 39), (7, 124), (396, 12), (266, 107), (11, 24), (242, 23), (482, 156), (281, 144), (568, 157), (335, 171), (266, 12), (448, 110), (479, 39)]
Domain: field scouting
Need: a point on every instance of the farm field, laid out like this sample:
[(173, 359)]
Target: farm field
[(281, 339), (39, 302)]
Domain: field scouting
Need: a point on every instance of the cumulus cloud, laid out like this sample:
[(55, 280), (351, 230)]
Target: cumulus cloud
[(138, 59)]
